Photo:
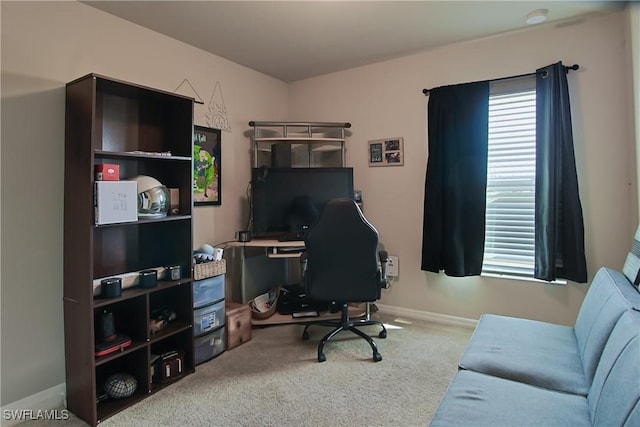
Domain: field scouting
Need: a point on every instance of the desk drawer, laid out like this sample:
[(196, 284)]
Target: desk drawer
[(208, 318), (208, 290)]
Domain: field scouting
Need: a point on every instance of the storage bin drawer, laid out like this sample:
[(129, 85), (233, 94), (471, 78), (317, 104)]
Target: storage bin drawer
[(208, 318), (207, 291), (209, 346), (237, 324)]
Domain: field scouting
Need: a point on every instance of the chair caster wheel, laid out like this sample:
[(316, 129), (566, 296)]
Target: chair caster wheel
[(382, 334), (377, 357), (321, 357), (305, 335)]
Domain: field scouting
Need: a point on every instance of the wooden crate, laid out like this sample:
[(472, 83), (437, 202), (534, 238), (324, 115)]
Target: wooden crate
[(237, 324)]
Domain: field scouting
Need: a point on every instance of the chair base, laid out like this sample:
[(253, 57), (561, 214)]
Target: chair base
[(346, 324)]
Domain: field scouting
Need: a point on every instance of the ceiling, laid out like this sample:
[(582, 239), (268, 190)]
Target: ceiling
[(295, 40)]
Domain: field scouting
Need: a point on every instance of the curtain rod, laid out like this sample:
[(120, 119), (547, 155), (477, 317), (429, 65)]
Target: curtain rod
[(566, 69)]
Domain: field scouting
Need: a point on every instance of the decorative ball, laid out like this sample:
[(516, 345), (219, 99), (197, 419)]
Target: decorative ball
[(120, 385), (207, 249)]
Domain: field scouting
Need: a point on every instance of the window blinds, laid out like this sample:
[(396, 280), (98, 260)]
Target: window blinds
[(509, 233)]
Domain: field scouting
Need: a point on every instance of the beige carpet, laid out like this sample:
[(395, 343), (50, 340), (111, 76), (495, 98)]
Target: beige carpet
[(275, 380)]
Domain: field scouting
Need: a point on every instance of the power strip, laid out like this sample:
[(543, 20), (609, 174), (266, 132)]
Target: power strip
[(393, 266)]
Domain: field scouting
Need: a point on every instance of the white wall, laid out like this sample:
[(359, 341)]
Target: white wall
[(634, 17), (45, 45), (385, 100)]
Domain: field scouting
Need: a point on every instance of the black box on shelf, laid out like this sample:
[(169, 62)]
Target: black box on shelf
[(167, 366)]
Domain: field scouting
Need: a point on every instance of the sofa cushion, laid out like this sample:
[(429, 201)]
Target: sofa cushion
[(528, 351), (475, 399), (614, 398), (548, 355), (602, 307)]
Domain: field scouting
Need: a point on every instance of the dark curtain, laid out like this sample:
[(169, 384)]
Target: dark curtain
[(456, 179), (559, 227)]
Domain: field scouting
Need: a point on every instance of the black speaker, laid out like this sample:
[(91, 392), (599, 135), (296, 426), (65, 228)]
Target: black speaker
[(106, 327), (111, 287), (281, 155), (148, 279), (243, 236)]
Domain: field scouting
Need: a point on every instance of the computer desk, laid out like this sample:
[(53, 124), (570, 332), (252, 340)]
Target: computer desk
[(268, 261), (256, 266)]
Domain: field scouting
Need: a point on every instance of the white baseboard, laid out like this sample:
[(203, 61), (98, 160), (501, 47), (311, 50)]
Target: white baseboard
[(46, 400), (427, 315)]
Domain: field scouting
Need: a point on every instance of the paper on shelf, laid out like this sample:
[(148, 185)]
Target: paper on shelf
[(261, 302)]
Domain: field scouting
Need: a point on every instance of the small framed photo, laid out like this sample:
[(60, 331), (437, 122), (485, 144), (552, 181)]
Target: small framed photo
[(207, 189), (386, 152)]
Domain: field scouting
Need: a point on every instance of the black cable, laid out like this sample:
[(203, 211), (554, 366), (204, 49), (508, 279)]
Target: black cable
[(223, 243), (250, 200)]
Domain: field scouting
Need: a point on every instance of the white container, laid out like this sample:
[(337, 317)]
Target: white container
[(116, 201)]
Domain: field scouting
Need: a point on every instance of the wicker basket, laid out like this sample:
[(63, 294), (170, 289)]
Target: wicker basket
[(209, 269), (256, 314)]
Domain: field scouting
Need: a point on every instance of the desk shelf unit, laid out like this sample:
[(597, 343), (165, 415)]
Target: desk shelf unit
[(258, 265), (299, 144), (288, 144), (109, 121)]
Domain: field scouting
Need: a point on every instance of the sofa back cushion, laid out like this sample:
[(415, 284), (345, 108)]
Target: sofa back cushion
[(609, 295), (614, 397)]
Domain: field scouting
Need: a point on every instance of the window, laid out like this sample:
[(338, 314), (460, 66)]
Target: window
[(509, 225)]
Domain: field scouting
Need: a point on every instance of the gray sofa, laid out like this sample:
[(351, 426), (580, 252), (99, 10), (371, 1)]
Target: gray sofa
[(520, 372)]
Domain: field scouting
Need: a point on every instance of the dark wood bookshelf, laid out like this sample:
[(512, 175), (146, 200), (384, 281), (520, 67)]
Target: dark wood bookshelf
[(145, 132)]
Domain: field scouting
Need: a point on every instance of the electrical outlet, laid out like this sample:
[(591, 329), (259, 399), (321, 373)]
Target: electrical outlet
[(393, 266)]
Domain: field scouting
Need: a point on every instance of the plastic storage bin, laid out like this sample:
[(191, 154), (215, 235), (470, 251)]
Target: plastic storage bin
[(209, 346), (208, 290), (208, 318)]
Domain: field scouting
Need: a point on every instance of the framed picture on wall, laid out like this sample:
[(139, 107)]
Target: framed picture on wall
[(386, 152), (207, 188)]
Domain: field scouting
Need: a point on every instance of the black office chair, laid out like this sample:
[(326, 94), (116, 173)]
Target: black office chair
[(342, 267)]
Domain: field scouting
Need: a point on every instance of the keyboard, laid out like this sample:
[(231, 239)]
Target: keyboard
[(290, 238)]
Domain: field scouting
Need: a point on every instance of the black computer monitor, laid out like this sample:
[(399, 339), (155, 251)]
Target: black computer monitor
[(286, 201)]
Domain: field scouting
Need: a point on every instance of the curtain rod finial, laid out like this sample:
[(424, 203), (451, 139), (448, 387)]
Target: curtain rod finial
[(573, 67)]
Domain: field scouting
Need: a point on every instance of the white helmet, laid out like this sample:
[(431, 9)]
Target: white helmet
[(153, 197)]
